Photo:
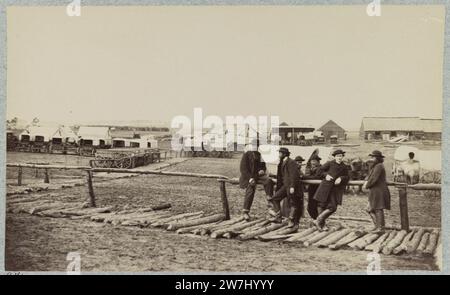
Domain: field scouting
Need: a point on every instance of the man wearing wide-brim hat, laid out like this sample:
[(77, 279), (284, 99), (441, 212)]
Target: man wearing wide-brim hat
[(253, 171), (290, 188), (331, 190), (379, 195)]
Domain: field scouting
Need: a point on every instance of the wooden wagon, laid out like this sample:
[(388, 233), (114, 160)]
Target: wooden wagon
[(125, 158)]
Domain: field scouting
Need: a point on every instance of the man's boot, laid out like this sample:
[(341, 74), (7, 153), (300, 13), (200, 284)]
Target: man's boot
[(277, 218), (374, 219), (320, 221), (246, 215), (292, 215), (379, 222)]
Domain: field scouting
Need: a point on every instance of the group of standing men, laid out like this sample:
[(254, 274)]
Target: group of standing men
[(323, 198)]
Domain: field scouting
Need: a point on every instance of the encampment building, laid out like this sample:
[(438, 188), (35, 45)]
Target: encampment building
[(385, 128)]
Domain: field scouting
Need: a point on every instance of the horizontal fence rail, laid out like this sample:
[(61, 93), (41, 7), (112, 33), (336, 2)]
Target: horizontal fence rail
[(402, 187)]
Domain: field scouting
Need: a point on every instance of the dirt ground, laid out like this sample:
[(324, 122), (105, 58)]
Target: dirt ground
[(37, 243)]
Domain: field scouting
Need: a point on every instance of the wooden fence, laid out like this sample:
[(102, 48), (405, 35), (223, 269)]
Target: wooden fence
[(401, 187)]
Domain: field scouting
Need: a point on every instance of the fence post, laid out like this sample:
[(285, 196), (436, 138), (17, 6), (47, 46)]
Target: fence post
[(403, 202), (223, 195), (19, 177), (91, 189), (47, 178)]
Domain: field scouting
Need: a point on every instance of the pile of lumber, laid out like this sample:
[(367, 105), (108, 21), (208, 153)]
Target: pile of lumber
[(419, 241)]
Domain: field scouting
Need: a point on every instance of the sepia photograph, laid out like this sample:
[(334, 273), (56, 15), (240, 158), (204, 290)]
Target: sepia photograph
[(224, 138)]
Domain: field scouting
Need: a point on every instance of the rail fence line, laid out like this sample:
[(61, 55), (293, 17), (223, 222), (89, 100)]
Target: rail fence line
[(401, 187)]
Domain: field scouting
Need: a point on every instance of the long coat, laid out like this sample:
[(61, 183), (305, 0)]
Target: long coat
[(290, 174), (327, 190), (379, 195), (251, 164)]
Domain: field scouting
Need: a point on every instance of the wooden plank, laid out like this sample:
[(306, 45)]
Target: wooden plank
[(234, 228)]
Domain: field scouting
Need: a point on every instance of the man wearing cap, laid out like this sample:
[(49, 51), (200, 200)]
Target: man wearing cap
[(291, 188), (379, 195), (253, 171), (331, 189), (313, 172), (299, 160)]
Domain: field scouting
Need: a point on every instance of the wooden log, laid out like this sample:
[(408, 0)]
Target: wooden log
[(395, 242), (142, 220), (411, 247), (255, 226), (301, 234), (122, 217), (101, 216), (377, 242), (333, 238), (390, 237), (21, 200), (92, 211), (347, 239), (403, 202), (191, 229), (223, 195), (26, 207), (234, 228), (163, 221), (209, 229), (280, 233), (403, 246), (305, 238), (423, 243), (432, 243), (207, 219), (318, 237), (90, 189), (253, 234), (45, 207)]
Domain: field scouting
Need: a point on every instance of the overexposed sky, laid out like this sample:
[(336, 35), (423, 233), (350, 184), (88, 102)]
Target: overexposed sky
[(307, 64)]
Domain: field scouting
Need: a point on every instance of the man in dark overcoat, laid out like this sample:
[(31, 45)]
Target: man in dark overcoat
[(331, 190), (291, 189), (253, 171)]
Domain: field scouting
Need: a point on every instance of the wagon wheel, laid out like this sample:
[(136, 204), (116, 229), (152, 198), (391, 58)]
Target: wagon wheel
[(201, 154), (124, 163)]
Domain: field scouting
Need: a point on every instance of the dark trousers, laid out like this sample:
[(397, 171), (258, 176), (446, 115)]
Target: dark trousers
[(251, 189), (312, 204), (295, 202)]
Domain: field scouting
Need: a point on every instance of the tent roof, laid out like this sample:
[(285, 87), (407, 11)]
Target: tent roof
[(88, 132), (431, 125), (392, 124), (330, 124)]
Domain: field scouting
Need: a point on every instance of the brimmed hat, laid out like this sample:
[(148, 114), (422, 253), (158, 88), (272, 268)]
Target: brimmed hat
[(284, 151), (299, 159), (338, 152), (377, 154)]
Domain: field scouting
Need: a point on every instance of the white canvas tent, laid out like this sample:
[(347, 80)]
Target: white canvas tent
[(38, 133), (144, 142), (98, 135)]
